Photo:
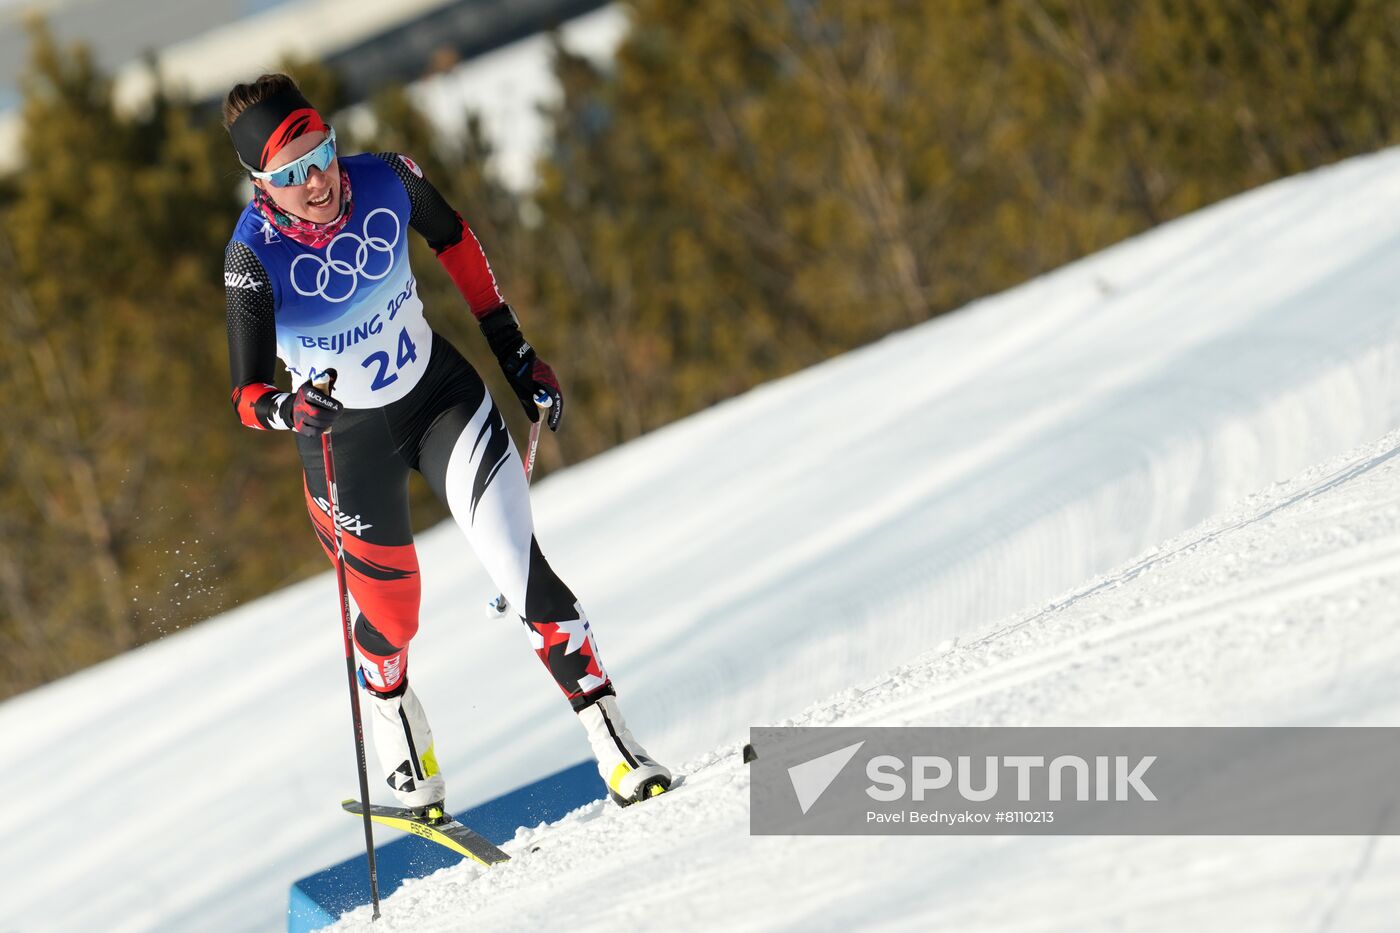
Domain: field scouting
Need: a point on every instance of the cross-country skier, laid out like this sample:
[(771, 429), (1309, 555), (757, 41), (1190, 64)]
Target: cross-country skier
[(317, 273)]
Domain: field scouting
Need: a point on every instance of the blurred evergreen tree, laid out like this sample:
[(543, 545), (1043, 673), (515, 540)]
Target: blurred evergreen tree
[(126, 476), (750, 187)]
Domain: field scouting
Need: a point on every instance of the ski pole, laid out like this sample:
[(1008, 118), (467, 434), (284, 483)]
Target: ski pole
[(497, 606), (324, 384)]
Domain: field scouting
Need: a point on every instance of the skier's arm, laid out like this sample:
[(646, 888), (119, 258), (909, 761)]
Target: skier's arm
[(457, 248), (252, 355), (460, 253), (252, 342)]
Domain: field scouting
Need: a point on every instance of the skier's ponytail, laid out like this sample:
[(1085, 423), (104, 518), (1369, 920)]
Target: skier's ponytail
[(244, 96)]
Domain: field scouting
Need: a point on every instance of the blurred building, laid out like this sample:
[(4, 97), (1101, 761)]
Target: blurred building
[(204, 46)]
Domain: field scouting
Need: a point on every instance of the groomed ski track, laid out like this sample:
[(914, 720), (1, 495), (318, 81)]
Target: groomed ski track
[(1280, 611)]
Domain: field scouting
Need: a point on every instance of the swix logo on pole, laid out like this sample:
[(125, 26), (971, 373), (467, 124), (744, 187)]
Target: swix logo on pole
[(355, 525)]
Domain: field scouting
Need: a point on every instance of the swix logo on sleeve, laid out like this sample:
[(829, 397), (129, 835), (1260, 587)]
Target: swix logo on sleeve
[(241, 280)]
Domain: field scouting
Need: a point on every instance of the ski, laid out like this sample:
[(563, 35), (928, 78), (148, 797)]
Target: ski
[(450, 833)]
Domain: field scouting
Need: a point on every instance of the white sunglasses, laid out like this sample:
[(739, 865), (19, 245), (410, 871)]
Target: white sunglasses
[(298, 170)]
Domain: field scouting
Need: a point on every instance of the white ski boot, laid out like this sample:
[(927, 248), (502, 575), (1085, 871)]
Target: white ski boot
[(405, 746), (627, 769)]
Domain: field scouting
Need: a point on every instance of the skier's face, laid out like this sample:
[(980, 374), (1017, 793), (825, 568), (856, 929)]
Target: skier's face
[(319, 199)]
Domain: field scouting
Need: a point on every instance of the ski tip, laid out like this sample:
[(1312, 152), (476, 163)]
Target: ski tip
[(350, 804), (749, 754)]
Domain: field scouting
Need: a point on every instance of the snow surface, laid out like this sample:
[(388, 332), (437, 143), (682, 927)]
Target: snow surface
[(1279, 611), (805, 544)]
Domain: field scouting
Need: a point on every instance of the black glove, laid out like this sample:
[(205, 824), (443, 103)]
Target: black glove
[(310, 411), (526, 372)]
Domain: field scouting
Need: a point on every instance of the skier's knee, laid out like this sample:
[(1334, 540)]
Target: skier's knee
[(373, 639), (383, 658)]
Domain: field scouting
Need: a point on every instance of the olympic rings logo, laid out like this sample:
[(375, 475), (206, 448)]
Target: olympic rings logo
[(340, 275)]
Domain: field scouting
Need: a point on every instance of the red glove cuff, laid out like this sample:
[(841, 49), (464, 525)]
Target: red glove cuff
[(245, 402)]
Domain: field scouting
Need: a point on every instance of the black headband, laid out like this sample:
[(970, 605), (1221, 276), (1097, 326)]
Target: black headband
[(265, 127)]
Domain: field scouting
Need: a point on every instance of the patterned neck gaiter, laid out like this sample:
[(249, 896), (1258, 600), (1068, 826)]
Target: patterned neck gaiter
[(304, 231)]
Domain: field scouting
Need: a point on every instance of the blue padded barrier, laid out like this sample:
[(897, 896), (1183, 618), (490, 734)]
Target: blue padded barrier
[(318, 900)]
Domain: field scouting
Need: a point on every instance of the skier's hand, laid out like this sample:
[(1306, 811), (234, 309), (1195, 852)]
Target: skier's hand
[(524, 370), (311, 411), (544, 381)]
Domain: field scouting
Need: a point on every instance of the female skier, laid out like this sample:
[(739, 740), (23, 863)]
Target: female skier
[(317, 273)]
